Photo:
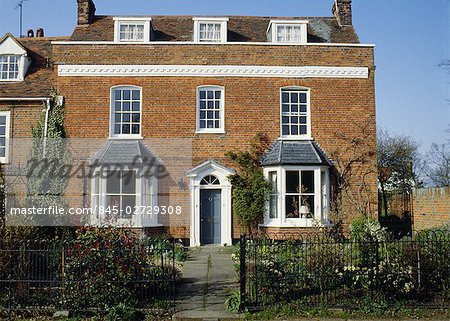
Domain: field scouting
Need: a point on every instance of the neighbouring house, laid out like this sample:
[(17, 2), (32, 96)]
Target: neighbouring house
[(183, 90)]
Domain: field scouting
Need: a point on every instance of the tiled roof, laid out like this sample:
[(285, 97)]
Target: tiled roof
[(38, 80), (240, 29), (291, 152), (124, 152)]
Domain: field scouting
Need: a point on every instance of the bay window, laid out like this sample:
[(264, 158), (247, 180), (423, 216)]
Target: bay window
[(123, 196), (299, 196)]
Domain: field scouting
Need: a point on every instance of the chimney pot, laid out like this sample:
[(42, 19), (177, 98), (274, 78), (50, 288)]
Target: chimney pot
[(86, 12), (39, 33), (342, 10), (30, 33)]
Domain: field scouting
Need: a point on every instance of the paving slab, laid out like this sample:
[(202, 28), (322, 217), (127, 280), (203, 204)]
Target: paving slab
[(208, 277)]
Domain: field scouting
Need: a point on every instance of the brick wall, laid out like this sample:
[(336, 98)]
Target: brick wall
[(431, 207), (339, 107)]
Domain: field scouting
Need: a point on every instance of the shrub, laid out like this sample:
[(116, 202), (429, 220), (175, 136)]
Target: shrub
[(108, 265)]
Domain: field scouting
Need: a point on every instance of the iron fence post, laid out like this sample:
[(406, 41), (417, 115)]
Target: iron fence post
[(242, 272)]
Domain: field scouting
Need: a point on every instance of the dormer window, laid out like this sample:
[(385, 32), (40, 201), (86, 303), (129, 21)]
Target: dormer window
[(288, 31), (132, 29), (9, 67), (210, 29), (14, 61)]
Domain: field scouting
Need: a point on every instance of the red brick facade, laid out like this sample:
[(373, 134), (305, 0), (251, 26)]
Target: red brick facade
[(431, 207), (340, 106)]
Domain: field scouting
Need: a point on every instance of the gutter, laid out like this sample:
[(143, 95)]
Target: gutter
[(24, 99), (47, 111)]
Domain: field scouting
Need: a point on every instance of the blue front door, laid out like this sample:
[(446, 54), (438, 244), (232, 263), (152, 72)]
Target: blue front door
[(210, 208)]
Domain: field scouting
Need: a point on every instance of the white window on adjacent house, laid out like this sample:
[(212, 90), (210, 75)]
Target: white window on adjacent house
[(210, 29), (288, 31), (14, 60), (132, 29), (295, 113), (299, 196), (9, 67), (210, 109), (4, 136), (126, 111)]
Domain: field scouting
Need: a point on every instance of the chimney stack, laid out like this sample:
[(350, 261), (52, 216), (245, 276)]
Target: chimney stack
[(39, 33), (342, 10), (86, 11), (30, 33)]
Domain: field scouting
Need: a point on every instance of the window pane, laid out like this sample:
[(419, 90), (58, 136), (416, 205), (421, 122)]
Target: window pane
[(202, 94), (129, 182), (2, 151), (292, 206), (126, 117), (307, 181), (2, 120), (135, 106), (307, 208), (135, 129), (126, 94), (303, 98), (136, 118), (125, 129), (126, 106), (217, 94), (291, 107), (294, 130), (292, 182), (302, 130), (2, 130), (113, 183), (136, 95), (128, 204), (273, 206), (285, 130)]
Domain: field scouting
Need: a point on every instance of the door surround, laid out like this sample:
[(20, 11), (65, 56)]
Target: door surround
[(195, 175)]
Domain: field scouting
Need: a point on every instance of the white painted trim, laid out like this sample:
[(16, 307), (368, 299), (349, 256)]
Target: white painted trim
[(237, 43), (308, 134), (220, 130), (272, 30), (211, 71), (281, 221), (146, 22), (196, 175), (111, 113), (7, 114), (23, 99), (131, 18), (223, 28)]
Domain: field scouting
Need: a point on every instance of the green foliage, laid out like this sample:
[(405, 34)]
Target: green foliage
[(103, 265), (121, 312), (250, 188), (366, 229), (233, 302)]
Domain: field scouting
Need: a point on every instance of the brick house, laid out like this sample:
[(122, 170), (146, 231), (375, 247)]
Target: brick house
[(211, 83)]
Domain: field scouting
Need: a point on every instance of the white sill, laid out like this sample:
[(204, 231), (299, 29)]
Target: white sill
[(303, 137), (126, 137), (308, 222), (210, 131), (11, 80)]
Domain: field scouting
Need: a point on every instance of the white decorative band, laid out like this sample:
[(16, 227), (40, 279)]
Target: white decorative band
[(211, 71)]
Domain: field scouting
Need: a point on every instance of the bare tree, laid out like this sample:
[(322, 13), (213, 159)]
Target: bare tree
[(398, 162), (438, 165), (354, 164)]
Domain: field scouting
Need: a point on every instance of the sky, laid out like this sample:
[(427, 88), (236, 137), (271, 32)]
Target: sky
[(411, 36)]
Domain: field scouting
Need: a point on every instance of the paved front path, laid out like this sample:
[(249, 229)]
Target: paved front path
[(208, 278)]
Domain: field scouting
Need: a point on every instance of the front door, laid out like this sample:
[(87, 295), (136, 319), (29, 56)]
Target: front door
[(210, 212)]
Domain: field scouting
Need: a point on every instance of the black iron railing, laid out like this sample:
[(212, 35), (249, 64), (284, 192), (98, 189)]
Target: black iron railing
[(69, 275), (320, 270)]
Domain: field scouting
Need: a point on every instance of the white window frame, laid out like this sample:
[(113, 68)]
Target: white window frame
[(112, 111), (321, 198), (201, 20), (10, 47), (221, 129), (119, 21), (7, 114), (308, 134), (272, 30), (146, 196)]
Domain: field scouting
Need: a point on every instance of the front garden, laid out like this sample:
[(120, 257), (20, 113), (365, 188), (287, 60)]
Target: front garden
[(94, 270), (324, 270)]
